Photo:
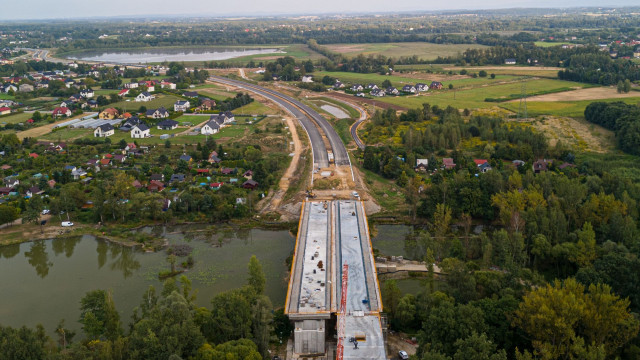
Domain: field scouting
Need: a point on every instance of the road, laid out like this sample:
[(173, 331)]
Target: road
[(354, 127), (307, 117)]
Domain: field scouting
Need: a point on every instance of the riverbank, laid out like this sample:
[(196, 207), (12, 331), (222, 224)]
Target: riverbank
[(128, 235)]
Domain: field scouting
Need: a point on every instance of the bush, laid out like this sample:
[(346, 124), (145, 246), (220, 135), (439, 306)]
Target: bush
[(482, 73)]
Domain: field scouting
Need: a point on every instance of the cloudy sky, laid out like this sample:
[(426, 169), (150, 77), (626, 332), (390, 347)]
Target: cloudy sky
[(67, 9)]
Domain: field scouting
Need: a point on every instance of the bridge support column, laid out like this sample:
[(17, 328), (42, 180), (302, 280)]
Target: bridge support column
[(309, 337)]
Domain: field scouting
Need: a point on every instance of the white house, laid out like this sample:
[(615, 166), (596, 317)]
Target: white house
[(357, 87), (509, 61), (210, 128), (131, 85), (422, 87), (181, 105), (144, 97), (167, 85), (409, 89), (307, 79), (140, 131), (86, 93), (104, 130), (159, 113)]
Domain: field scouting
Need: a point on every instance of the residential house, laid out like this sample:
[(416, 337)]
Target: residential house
[(361, 94), (541, 165), (25, 88), (377, 93), (78, 174), (206, 105), (250, 184), (155, 186), (87, 93), (159, 113), (130, 123), (140, 131), (177, 178), (228, 171), (372, 86), (156, 177), (216, 185), (422, 164), (144, 97), (213, 158), (307, 79), (109, 114), (150, 84), (105, 162), (392, 91), (248, 174), (75, 98), (190, 94), (185, 157), (104, 130), (167, 124), (422, 87), (61, 111), (131, 85), (409, 89), (356, 87), (168, 85), (510, 61), (448, 163), (34, 190), (210, 128), (181, 105), (137, 184), (5, 110), (119, 158), (9, 87), (338, 85), (435, 85), (482, 164), (123, 92)]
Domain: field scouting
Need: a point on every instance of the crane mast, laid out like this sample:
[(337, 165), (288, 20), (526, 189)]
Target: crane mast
[(342, 315)]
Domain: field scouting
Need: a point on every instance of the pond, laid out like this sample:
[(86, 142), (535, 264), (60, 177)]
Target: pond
[(43, 281), (158, 55), (390, 239)]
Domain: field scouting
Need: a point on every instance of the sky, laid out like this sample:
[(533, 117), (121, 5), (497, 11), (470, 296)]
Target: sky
[(70, 9)]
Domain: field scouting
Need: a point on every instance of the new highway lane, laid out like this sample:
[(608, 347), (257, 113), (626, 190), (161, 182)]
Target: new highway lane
[(307, 117)]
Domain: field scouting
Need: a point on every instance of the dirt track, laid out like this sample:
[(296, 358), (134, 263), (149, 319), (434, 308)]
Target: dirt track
[(583, 94), (44, 129)]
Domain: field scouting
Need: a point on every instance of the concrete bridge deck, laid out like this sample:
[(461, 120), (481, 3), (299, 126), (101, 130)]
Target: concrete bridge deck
[(335, 233)]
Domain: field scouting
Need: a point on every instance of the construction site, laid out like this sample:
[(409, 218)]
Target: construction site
[(334, 298)]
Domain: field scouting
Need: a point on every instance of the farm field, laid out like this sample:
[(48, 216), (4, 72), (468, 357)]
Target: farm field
[(426, 51), (16, 118), (474, 98), (193, 119), (403, 79), (561, 108), (549, 44), (161, 100), (256, 107)]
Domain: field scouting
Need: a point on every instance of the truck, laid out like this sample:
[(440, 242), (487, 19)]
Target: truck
[(330, 156)]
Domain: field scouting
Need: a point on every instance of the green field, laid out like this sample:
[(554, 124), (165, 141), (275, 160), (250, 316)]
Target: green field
[(399, 81), (193, 119), (561, 108), (255, 108), (426, 51), (474, 98), (161, 100), (4, 96), (549, 44), (16, 118)]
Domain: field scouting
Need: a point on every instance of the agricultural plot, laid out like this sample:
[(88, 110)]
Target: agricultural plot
[(161, 100), (475, 97), (426, 51), (16, 118), (561, 108)]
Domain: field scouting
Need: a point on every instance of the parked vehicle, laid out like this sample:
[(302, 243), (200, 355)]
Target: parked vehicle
[(403, 355), (355, 195), (45, 212), (67, 223)]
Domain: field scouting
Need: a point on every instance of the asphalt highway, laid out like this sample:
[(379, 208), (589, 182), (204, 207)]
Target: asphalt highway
[(310, 120)]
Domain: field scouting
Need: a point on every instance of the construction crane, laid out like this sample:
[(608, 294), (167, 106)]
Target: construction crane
[(342, 315)]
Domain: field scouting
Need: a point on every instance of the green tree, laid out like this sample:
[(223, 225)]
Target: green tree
[(99, 316), (257, 278), (386, 84), (391, 295), (477, 347), (562, 317), (231, 317), (242, 349)]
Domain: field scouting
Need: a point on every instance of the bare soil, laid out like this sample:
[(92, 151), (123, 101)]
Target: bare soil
[(42, 130), (400, 341), (584, 94)]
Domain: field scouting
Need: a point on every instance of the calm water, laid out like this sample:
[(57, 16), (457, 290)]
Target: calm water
[(134, 56), (390, 239), (43, 282)]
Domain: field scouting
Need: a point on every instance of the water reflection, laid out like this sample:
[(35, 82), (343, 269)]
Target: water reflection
[(38, 258), (66, 245), (102, 249), (9, 251), (126, 263)]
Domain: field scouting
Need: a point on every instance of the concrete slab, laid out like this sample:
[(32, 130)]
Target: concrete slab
[(371, 340)]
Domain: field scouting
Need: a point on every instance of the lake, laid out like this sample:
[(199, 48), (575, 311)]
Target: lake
[(43, 281), (135, 56), (389, 239)]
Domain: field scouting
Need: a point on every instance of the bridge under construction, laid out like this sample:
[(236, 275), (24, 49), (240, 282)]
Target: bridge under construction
[(332, 234)]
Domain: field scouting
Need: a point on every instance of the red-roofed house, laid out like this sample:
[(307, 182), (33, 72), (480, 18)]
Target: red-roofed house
[(448, 163), (123, 92), (479, 161), (216, 185), (202, 171), (61, 111), (105, 162), (5, 110), (155, 186), (33, 155)]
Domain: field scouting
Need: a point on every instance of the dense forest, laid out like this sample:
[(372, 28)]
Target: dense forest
[(622, 118), (530, 255)]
